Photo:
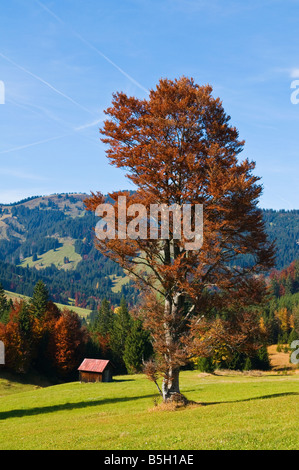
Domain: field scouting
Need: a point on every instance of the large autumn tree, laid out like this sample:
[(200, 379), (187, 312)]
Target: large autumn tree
[(178, 147)]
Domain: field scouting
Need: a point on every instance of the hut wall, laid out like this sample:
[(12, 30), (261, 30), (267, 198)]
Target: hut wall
[(107, 376), (90, 377)]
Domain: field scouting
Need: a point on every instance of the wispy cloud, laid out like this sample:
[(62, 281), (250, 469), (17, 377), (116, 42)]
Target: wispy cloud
[(19, 174), (294, 73)]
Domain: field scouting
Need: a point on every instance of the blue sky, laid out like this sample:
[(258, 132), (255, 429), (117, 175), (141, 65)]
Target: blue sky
[(60, 62)]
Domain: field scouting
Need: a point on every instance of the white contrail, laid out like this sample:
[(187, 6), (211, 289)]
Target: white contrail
[(92, 47), (44, 82), (73, 130), (45, 141), (87, 125), (50, 11), (21, 147)]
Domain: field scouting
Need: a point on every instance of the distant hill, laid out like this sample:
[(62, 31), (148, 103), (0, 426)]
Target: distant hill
[(283, 227), (51, 238)]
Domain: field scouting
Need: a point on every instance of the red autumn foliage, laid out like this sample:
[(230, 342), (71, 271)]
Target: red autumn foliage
[(56, 338), (68, 339), (18, 344), (179, 148)]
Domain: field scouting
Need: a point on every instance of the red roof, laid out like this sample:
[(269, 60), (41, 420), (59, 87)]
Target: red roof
[(93, 365)]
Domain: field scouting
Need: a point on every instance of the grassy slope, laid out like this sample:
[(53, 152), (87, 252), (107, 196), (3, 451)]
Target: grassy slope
[(240, 412), (56, 257), (82, 312), (118, 282)]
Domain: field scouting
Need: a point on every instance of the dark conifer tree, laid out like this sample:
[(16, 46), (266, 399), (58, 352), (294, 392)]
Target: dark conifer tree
[(120, 331), (4, 304), (104, 320), (39, 300), (137, 348)]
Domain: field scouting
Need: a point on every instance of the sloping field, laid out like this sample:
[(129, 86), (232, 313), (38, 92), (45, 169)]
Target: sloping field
[(118, 282), (233, 412), (82, 312), (56, 257), (280, 360)]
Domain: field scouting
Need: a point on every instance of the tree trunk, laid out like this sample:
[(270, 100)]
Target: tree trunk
[(171, 385)]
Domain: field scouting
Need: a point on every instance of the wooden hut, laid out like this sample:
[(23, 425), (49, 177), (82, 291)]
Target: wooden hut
[(96, 370)]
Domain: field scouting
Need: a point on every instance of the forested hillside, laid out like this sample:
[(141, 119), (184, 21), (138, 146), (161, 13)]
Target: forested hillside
[(51, 238), (283, 228)]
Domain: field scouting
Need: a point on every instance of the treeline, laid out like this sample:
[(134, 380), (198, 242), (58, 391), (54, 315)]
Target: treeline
[(27, 199), (40, 337), (120, 337), (281, 314), (286, 281), (87, 284), (36, 248)]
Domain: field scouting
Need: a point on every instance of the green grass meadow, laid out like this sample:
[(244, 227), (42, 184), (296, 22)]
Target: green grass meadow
[(56, 257), (233, 412)]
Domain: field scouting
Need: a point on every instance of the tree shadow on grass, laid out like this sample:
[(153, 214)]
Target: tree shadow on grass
[(20, 413), (115, 379), (274, 395)]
